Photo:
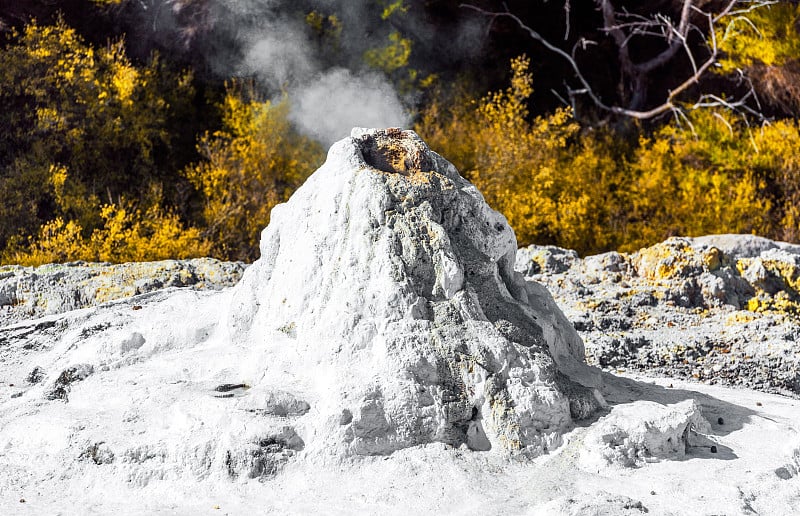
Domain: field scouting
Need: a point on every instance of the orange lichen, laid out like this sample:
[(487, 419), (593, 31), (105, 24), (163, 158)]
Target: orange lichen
[(395, 151)]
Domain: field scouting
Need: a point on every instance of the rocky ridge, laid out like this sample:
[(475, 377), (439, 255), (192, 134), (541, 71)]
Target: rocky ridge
[(33, 292), (719, 309)]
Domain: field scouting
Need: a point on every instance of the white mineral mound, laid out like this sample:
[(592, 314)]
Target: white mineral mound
[(391, 281), (383, 314)]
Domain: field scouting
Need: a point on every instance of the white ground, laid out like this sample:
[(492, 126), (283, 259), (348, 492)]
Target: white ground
[(167, 387)]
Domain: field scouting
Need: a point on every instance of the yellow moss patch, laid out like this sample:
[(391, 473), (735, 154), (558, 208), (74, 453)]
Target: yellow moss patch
[(539, 257), (675, 258), (741, 316), (712, 258), (779, 303), (787, 277), (788, 272)]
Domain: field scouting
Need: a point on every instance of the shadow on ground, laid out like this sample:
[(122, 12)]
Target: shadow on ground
[(618, 390), (724, 417)]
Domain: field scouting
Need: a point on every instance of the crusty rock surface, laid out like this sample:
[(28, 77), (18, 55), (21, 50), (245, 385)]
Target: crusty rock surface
[(384, 318), (640, 432), (595, 504), (394, 279), (720, 309), (32, 292)]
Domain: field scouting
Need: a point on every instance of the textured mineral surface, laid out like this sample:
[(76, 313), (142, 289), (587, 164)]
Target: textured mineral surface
[(384, 314), (393, 279), (719, 309), (32, 292)]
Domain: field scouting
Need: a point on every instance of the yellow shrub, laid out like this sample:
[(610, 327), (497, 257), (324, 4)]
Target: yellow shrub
[(553, 186), (692, 183), (778, 163), (255, 162), (57, 242), (592, 191), (126, 235), (767, 35), (765, 44), (392, 57), (80, 123)]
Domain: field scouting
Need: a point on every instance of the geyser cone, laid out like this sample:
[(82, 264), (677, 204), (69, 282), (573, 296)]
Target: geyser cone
[(385, 292)]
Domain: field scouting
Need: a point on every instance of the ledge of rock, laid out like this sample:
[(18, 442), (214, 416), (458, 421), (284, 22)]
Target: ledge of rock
[(31, 292), (640, 432)]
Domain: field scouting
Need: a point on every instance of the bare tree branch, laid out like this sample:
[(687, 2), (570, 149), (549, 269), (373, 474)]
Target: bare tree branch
[(622, 26)]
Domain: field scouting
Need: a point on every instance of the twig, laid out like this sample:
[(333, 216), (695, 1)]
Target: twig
[(676, 35)]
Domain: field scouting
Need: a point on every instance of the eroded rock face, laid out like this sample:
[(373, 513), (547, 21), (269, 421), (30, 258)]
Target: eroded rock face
[(391, 282)]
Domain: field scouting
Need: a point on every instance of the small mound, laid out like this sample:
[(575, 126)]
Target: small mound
[(641, 432), (600, 503)]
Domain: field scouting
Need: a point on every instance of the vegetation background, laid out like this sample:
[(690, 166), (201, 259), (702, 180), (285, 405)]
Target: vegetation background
[(152, 129)]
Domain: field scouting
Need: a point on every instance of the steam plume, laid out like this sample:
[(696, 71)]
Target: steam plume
[(330, 89)]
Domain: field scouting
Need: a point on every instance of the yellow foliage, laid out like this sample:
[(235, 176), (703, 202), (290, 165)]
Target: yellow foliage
[(124, 81), (768, 35), (392, 57), (694, 183), (778, 161), (552, 186), (88, 114), (57, 242), (130, 235), (255, 162), (391, 7), (89, 124), (329, 26), (73, 200), (127, 235), (592, 192)]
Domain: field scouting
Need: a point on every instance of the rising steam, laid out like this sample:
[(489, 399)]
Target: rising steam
[(327, 107), (325, 101), (268, 40)]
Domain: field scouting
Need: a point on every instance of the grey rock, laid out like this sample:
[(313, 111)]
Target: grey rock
[(98, 453), (743, 246), (679, 308), (62, 385), (32, 292), (264, 457), (546, 259), (35, 376)]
